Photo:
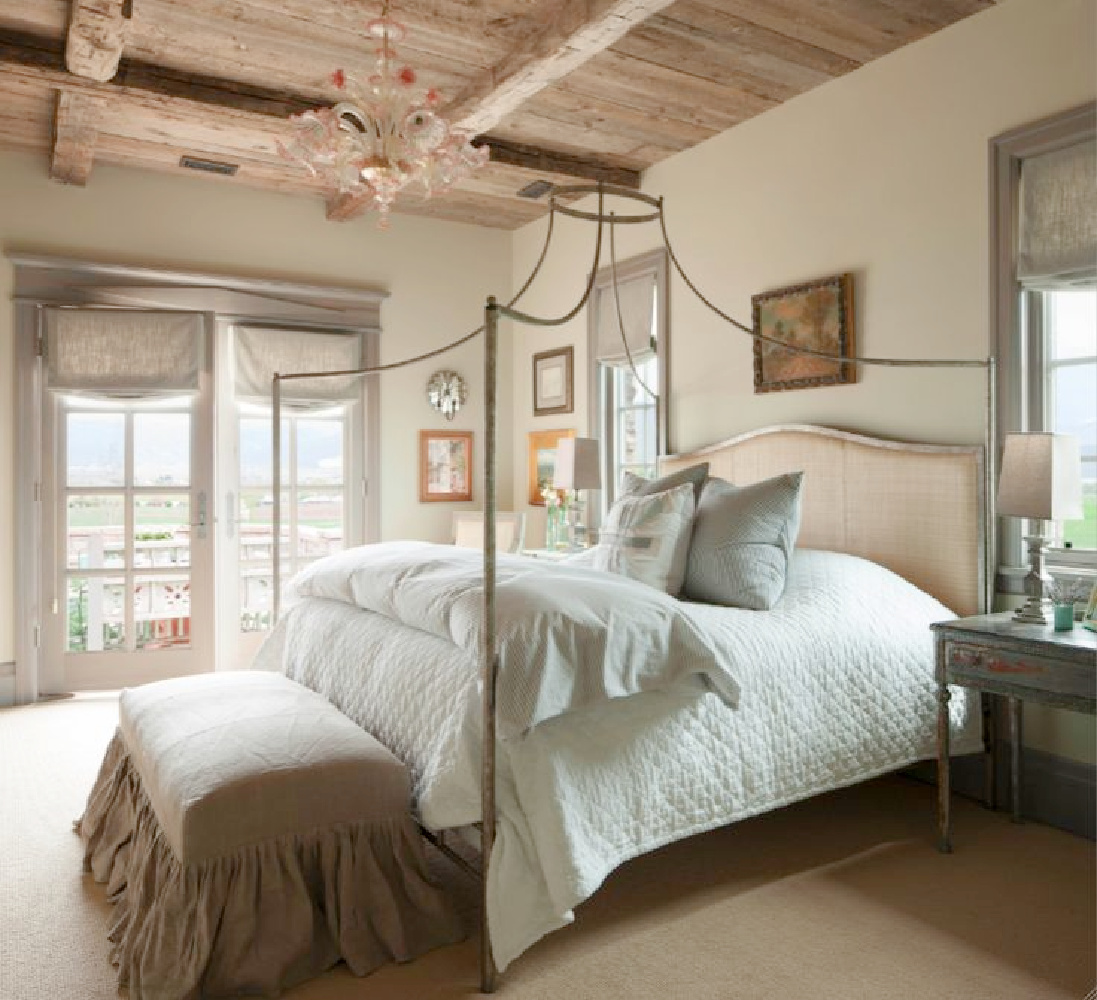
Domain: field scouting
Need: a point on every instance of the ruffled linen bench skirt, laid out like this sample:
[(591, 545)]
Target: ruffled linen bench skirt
[(251, 836)]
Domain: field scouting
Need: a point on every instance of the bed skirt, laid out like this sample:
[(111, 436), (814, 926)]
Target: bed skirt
[(263, 918)]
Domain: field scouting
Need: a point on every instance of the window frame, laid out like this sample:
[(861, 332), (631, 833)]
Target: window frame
[(1016, 320), (602, 409)]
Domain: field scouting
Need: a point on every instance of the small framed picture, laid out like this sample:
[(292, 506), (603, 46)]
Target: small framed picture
[(553, 382), (445, 466), (1089, 619), (542, 462)]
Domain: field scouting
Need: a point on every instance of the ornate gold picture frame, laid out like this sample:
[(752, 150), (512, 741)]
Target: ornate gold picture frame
[(817, 315)]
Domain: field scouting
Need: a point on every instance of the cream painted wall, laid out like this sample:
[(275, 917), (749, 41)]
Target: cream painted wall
[(438, 276), (883, 173)]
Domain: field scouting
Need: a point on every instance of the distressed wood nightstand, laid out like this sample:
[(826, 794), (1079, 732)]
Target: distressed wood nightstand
[(995, 654)]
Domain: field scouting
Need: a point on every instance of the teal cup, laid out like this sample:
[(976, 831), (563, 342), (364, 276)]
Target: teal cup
[(1064, 617)]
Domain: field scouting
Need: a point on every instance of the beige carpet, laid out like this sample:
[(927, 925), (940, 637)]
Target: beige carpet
[(840, 897)]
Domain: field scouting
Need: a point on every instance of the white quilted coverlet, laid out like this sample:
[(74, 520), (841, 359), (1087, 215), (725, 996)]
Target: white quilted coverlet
[(836, 685)]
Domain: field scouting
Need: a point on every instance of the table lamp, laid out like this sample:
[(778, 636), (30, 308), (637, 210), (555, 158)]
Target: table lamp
[(1042, 480), (577, 468)]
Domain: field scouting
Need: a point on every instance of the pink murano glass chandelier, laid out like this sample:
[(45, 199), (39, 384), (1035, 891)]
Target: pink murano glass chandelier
[(386, 136)]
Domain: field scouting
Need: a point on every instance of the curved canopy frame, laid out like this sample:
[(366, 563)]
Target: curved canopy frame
[(650, 210)]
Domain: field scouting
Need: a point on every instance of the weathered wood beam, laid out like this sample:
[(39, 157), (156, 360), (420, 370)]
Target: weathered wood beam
[(74, 136), (143, 98), (548, 161), (96, 37), (19, 48), (566, 37), (343, 207)]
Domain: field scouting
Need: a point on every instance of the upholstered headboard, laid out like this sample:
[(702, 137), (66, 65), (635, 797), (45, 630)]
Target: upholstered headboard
[(918, 509)]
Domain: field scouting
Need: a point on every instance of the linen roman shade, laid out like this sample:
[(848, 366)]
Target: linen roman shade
[(1058, 219), (637, 298), (122, 352), (259, 352)]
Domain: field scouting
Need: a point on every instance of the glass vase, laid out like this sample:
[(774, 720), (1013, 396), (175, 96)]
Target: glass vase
[(552, 525)]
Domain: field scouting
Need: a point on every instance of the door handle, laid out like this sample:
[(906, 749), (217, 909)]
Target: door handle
[(230, 514), (200, 524)]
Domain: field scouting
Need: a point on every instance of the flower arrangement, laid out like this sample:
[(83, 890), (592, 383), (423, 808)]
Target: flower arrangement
[(1068, 590)]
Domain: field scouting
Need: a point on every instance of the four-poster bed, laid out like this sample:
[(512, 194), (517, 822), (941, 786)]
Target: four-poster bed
[(918, 510)]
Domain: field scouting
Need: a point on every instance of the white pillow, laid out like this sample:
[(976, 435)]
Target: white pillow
[(647, 538)]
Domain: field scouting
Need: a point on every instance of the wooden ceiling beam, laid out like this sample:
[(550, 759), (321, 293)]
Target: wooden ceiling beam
[(343, 206), (19, 48), (75, 133), (96, 37), (569, 35), (547, 161), (202, 106)]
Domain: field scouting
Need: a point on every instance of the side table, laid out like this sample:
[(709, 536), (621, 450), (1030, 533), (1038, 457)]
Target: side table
[(997, 655)]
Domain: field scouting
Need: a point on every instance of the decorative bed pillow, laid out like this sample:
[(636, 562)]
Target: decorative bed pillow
[(742, 542), (637, 486), (646, 538)]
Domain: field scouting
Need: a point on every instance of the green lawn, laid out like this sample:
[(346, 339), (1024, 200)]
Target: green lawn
[(1083, 534)]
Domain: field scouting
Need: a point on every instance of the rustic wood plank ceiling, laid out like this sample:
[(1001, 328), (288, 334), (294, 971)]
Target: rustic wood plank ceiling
[(565, 90)]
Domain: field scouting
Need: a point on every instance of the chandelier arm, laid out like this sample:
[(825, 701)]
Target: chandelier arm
[(617, 309), (883, 362)]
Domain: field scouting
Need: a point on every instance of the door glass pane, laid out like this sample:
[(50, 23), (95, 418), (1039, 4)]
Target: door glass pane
[(255, 464), (255, 598), (96, 614), (319, 523), (161, 530), (161, 449), (319, 452), (95, 532), (96, 449), (161, 611)]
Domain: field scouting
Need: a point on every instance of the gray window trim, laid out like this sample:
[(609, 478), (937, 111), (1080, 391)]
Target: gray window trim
[(1016, 320), (600, 411)]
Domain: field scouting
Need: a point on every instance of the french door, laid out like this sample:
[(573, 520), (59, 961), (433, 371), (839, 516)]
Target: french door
[(321, 514), (157, 527), (128, 538)]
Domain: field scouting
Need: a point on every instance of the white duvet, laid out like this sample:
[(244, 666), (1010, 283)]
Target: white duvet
[(834, 685), (566, 636)]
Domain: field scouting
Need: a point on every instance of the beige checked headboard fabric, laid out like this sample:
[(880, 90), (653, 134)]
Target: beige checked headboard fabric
[(918, 509)]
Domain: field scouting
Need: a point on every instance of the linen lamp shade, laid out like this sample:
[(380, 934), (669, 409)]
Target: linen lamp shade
[(577, 466), (1041, 477)]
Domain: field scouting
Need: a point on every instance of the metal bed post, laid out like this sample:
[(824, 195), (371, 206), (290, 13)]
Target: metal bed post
[(488, 660), (276, 510)]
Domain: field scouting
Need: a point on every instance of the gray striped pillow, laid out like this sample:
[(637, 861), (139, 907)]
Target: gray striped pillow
[(742, 542), (646, 538)]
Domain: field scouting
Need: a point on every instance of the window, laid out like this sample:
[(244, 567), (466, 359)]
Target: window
[(1044, 309), (1066, 337), (628, 389)]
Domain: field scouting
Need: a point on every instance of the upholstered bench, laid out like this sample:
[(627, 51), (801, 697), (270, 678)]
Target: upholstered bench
[(252, 836)]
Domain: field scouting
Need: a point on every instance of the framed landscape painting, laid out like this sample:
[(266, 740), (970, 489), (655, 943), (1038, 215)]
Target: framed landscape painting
[(818, 316), (542, 462), (445, 465)]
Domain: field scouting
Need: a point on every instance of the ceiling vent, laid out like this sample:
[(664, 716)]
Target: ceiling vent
[(209, 166), (535, 190)]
